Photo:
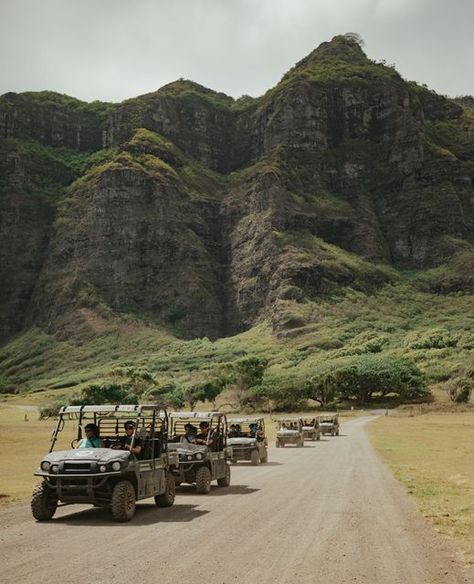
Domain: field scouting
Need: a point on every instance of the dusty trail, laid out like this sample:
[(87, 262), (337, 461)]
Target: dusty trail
[(328, 511)]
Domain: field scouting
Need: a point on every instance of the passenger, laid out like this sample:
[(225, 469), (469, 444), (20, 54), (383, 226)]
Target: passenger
[(204, 437), (190, 433), (125, 442), (92, 439), (233, 432)]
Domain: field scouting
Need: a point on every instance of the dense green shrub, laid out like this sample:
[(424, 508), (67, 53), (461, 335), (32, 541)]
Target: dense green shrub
[(361, 377), (459, 389), (106, 393), (436, 338)]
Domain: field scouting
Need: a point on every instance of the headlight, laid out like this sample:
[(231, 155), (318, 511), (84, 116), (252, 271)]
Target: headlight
[(199, 455), (45, 465), (54, 468), (116, 465), (102, 468), (189, 457)]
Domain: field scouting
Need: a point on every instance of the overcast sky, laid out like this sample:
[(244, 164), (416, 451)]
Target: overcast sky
[(114, 49)]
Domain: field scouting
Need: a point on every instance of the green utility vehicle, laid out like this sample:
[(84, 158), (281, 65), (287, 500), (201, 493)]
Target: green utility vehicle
[(311, 429), (127, 461), (329, 424), (200, 440), (289, 431), (248, 440)]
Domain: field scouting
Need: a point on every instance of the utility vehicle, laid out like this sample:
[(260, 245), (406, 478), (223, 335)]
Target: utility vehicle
[(329, 424), (248, 440), (106, 476), (289, 431), (203, 455), (311, 429)]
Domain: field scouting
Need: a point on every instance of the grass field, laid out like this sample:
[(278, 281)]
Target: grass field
[(23, 444), (433, 457)]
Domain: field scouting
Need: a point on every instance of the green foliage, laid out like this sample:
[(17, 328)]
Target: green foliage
[(366, 342), (459, 389), (435, 338), (106, 393), (363, 376)]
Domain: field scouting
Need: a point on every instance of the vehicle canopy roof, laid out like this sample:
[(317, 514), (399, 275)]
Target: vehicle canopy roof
[(328, 416), (297, 419), (248, 420), (111, 409), (196, 415)]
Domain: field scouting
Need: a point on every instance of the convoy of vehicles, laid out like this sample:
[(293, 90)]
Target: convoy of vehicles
[(200, 440), (248, 440), (115, 455)]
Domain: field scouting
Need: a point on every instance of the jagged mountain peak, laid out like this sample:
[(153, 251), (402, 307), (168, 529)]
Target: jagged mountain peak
[(341, 48)]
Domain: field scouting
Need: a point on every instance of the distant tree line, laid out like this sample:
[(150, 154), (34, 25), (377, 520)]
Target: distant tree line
[(356, 379)]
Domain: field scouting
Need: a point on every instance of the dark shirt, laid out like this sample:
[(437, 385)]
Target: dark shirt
[(127, 440)]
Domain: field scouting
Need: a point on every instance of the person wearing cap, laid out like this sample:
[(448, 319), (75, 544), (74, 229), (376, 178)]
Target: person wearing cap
[(92, 439), (125, 442), (204, 437)]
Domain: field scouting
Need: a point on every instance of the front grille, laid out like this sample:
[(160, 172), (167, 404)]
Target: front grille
[(79, 467)]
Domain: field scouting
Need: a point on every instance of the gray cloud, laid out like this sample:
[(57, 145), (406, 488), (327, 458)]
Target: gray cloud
[(114, 49)]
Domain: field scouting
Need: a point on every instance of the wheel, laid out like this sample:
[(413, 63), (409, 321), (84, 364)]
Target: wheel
[(254, 457), (167, 498), (123, 501), (225, 480), (203, 480), (44, 502)]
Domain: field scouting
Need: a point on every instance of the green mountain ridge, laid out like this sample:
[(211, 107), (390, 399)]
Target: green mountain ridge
[(187, 214)]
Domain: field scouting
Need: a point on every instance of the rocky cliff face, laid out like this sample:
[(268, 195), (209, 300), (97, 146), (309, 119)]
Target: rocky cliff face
[(206, 214)]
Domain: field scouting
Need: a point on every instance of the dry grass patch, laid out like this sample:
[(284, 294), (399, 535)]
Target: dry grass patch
[(432, 455), (23, 444)]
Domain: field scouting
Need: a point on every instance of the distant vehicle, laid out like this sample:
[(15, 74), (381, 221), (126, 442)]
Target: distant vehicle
[(248, 440), (289, 431), (104, 476), (329, 424), (311, 430), (199, 464)]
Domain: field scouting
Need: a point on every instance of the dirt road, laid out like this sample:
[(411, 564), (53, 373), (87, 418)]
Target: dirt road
[(328, 512)]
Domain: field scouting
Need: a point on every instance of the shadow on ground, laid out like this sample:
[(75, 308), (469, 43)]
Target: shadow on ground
[(216, 491), (145, 514)]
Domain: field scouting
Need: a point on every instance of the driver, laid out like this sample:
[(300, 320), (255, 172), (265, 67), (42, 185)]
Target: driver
[(125, 442), (204, 437)]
